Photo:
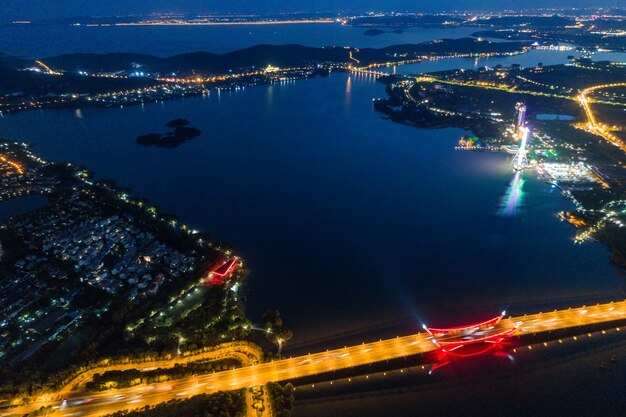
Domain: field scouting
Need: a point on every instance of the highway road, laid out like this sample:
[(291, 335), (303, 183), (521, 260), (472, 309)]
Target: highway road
[(96, 404)]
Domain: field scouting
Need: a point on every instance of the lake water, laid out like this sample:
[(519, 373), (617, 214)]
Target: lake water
[(553, 116), (345, 219), (610, 56), (26, 40)]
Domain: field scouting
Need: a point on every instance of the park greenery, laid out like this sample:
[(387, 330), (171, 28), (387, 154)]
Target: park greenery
[(281, 398), (181, 132), (275, 327)]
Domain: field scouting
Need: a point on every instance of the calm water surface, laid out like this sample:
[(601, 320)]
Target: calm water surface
[(610, 56), (345, 219), (26, 40)]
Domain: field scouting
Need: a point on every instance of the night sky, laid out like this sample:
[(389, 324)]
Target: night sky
[(40, 9)]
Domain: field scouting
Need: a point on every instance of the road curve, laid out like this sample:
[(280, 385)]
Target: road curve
[(246, 353)]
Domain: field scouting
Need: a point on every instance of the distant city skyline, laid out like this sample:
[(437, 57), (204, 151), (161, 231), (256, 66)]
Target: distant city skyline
[(51, 9)]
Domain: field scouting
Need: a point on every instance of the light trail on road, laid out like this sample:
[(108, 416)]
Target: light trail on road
[(352, 57), (19, 168), (47, 68)]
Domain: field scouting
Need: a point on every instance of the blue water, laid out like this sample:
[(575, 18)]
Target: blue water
[(610, 56), (27, 40), (345, 219), (552, 116), (529, 59)]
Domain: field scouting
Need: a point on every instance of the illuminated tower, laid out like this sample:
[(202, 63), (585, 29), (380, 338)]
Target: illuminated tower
[(520, 161), (520, 119)]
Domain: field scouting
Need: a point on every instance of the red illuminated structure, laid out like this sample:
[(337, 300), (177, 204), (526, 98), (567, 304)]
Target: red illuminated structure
[(451, 340), (220, 272), (469, 340)]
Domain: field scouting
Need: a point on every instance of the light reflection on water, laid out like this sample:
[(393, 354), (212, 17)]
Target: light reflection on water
[(514, 197)]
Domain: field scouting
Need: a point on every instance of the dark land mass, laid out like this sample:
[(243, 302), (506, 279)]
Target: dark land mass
[(554, 29), (30, 83), (191, 17), (526, 21), (438, 48), (283, 56), (178, 123), (584, 39), (610, 24), (149, 139), (406, 21), (13, 62), (202, 62), (186, 132), (181, 133)]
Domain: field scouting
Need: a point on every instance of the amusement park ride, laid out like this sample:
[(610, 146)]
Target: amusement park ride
[(520, 161)]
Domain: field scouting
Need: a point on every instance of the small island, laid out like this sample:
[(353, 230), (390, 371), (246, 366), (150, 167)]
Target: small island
[(181, 133)]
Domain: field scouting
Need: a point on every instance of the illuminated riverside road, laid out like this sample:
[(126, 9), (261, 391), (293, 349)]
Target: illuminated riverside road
[(96, 404), (242, 352), (485, 85), (592, 124)]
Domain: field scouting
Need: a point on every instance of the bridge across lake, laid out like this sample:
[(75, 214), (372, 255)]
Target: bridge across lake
[(82, 404)]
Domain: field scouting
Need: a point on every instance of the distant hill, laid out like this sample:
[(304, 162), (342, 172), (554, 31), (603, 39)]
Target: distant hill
[(111, 62), (610, 24), (30, 83), (8, 62), (260, 56), (440, 47)]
